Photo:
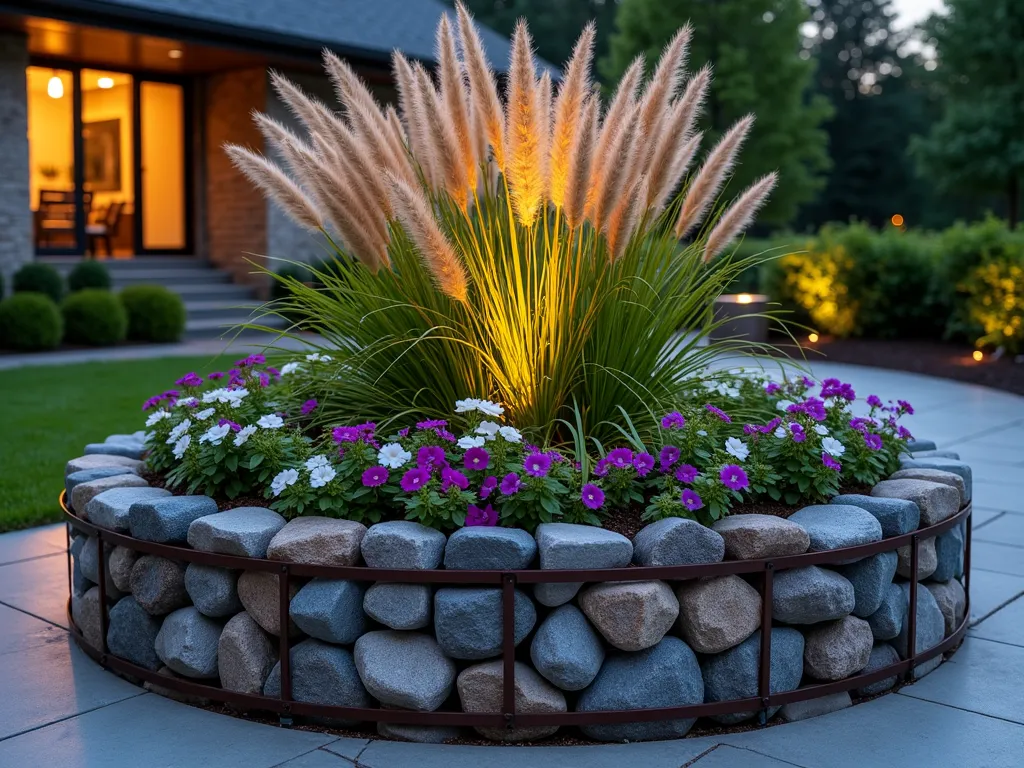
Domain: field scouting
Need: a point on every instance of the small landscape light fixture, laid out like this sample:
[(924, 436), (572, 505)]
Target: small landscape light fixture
[(813, 338), (897, 220), (744, 298), (742, 319), (977, 355), (55, 87)]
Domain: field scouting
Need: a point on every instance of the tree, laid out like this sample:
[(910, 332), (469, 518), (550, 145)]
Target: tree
[(753, 46), (979, 143)]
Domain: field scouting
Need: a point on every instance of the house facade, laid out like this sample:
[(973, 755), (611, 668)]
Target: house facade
[(113, 114)]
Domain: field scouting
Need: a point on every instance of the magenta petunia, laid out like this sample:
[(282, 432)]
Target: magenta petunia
[(905, 407), (601, 468), (477, 516), (812, 406), (669, 455), (431, 457), (831, 463), (798, 432), (404, 432), (190, 380), (874, 401), (733, 477), (445, 435), (537, 464), (415, 479), (214, 376), (592, 496), (431, 424), (771, 388), (235, 426), (643, 463), (510, 484), (487, 486), (345, 434), (687, 473), (376, 476), (477, 458), (620, 458), (309, 406), (450, 477), (719, 413), (904, 434), (673, 420), (873, 441), (691, 499)]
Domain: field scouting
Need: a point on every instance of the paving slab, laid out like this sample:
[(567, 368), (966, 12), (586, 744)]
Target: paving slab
[(38, 587), (1005, 496), (35, 542), (350, 749), (1007, 529), (725, 756), (982, 516), (991, 591), (19, 631), (987, 556), (318, 758), (1004, 626)]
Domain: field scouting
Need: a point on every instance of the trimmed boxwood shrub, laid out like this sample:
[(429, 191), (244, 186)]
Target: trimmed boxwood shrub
[(39, 278), (154, 313), (94, 317), (88, 274), (30, 322)]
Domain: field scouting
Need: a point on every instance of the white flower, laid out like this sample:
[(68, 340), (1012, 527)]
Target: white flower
[(215, 435), (178, 431), (488, 429), (224, 395), (488, 408), (393, 456), (270, 421), (736, 447), (214, 396), (511, 434), (321, 476), (289, 368), (470, 442), (316, 357), (283, 480), (782, 405), (244, 434), (467, 405), (181, 445), (187, 401), (821, 429), (781, 433), (833, 447), (702, 432), (317, 461), (204, 414), (157, 417)]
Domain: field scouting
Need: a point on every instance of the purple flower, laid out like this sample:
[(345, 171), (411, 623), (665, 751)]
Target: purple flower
[(751, 429), (375, 476), (733, 477), (673, 420), (872, 441), (719, 413), (669, 455), (772, 425), (487, 486), (643, 463), (403, 432), (308, 407), (874, 401), (190, 380), (445, 435), (273, 371), (345, 434), (250, 361), (476, 458), (770, 389), (861, 424), (152, 402), (905, 407), (798, 432), (214, 376), (431, 457), (620, 458), (235, 426), (414, 479), (812, 406), (510, 484), (264, 380), (592, 496), (691, 499), (537, 464), (431, 424), (450, 477), (904, 434), (686, 474), (367, 428), (831, 463), (477, 516), (807, 381), (601, 468)]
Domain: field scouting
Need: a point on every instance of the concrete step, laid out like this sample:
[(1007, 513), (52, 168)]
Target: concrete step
[(202, 309), (227, 327), (164, 276), (230, 292)]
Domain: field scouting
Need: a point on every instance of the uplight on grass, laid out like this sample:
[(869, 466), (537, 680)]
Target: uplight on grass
[(978, 355)]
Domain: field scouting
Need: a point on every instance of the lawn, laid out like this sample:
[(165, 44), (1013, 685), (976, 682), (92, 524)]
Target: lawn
[(49, 413)]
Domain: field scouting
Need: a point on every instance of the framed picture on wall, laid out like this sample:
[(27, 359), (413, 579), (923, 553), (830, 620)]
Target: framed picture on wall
[(102, 147)]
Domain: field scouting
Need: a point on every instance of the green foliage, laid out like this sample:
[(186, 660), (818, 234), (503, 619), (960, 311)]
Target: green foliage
[(36, 277), (757, 69), (94, 317), (154, 313), (88, 274), (30, 322)]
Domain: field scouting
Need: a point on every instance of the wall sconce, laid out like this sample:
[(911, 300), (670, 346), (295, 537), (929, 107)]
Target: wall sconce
[(55, 87)]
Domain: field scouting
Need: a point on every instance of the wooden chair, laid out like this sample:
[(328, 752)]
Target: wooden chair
[(55, 218), (104, 230)]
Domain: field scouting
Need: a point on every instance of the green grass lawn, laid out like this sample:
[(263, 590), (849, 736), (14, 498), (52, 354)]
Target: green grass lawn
[(49, 413)]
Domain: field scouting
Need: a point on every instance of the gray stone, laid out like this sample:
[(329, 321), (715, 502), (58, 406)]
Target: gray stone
[(837, 526), (121, 562), (103, 461), (837, 649), (935, 453), (402, 544), (321, 674), (187, 643), (927, 560), (330, 610), (677, 541), (734, 674), (934, 476), (245, 531), (824, 705), (887, 621), (566, 650), (810, 595), (948, 549), (115, 449), (132, 632), (718, 613), (85, 610), (935, 500), (259, 592), (88, 560), (404, 669), (930, 628), (631, 615), (882, 655), (575, 547), (921, 445), (468, 621), (79, 584), (870, 578), (318, 541), (666, 675), (752, 537), (946, 465), (214, 591), (86, 491), (159, 586), (484, 548), (897, 516), (245, 655), (110, 508), (75, 479), (136, 438), (952, 601), (399, 606), (422, 734), (167, 520), (480, 690)]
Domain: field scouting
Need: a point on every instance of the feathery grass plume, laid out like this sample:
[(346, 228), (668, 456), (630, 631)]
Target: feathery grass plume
[(277, 185), (568, 112), (483, 88), (702, 191), (414, 117), (454, 98), (444, 144), (309, 110), (416, 216), (657, 95), (623, 219), (289, 146), (679, 164), (739, 215), (580, 161), (523, 132), (544, 105)]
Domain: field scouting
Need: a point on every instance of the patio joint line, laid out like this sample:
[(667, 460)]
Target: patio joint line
[(33, 615), (310, 752), (702, 755), (951, 706), (770, 756), (30, 559), (991, 640), (71, 717)]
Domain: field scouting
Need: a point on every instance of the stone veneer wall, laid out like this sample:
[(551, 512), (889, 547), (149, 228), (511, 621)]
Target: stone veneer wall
[(15, 214)]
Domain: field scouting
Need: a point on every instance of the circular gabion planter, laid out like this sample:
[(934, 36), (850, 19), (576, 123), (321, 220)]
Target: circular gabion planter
[(427, 635)]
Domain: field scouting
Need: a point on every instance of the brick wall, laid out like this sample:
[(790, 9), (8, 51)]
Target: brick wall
[(15, 215)]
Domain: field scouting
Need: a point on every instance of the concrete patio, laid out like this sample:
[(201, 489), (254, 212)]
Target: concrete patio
[(60, 709)]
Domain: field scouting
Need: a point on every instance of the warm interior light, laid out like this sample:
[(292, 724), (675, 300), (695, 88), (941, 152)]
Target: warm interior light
[(977, 355), (744, 298), (55, 87), (813, 338), (897, 220), (105, 82), (174, 53)]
